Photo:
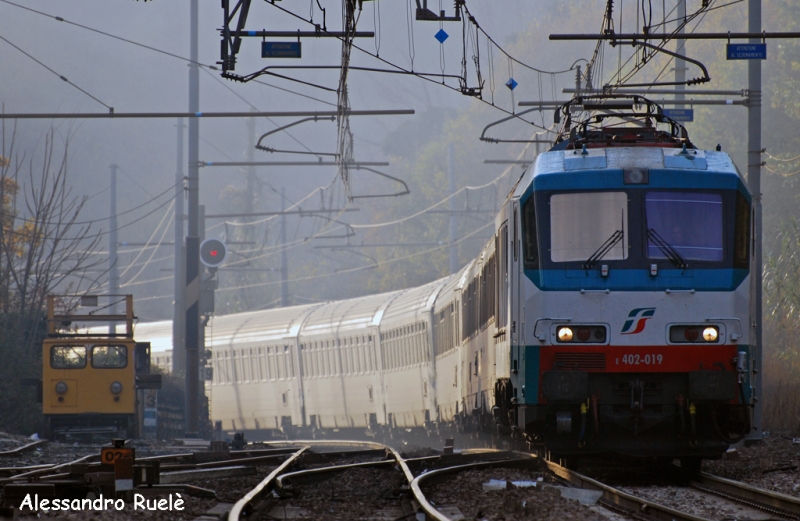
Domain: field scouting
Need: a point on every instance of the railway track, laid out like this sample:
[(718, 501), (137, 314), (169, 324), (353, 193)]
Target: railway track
[(613, 502), (370, 481), (367, 481), (654, 503)]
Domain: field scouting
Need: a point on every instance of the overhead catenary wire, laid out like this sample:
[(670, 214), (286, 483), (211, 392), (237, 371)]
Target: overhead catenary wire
[(154, 250), (93, 221), (60, 19), (288, 246), (134, 181), (252, 106), (795, 158), (411, 72), (98, 234), (60, 76), (161, 51), (673, 35), (790, 174), (508, 55), (361, 268), (147, 243)]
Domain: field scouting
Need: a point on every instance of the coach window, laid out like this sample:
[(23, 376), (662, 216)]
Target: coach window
[(262, 363), (271, 356), (221, 371), (688, 223), (109, 357), (68, 357), (583, 224), (287, 351)]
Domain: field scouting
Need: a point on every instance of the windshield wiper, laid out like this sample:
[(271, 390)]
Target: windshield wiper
[(667, 249), (604, 249)]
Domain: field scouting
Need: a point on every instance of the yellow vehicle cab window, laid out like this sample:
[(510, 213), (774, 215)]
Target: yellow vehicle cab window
[(109, 357), (68, 357)]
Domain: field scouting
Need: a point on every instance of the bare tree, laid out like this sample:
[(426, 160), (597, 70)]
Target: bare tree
[(44, 247)]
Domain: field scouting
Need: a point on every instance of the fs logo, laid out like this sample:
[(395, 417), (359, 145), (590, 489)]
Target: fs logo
[(637, 319)]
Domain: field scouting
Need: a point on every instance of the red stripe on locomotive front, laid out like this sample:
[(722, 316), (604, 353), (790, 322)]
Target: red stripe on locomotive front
[(638, 359)]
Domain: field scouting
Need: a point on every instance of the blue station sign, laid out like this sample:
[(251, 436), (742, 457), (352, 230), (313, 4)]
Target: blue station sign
[(281, 50), (680, 114), (747, 51)]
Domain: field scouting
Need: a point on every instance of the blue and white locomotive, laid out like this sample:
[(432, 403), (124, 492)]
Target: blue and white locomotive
[(609, 314)]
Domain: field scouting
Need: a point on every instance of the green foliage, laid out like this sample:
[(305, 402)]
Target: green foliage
[(782, 298)]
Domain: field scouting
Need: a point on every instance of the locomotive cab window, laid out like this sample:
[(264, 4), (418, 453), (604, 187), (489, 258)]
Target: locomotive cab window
[(688, 224), (68, 357), (530, 246), (109, 357), (588, 224)]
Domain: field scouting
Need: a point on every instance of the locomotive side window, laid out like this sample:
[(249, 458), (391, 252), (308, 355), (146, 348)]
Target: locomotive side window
[(530, 247), (688, 223), (583, 224), (741, 240), (109, 357), (68, 357)]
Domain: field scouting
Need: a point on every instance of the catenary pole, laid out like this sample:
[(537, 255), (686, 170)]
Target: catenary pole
[(453, 223), (754, 152), (113, 272), (284, 262), (192, 304), (179, 308)]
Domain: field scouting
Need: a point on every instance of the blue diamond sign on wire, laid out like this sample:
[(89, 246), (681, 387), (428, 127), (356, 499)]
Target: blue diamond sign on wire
[(511, 84), (441, 36)]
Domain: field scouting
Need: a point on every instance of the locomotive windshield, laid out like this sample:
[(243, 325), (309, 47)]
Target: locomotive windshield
[(588, 225), (68, 357), (109, 357), (686, 223)]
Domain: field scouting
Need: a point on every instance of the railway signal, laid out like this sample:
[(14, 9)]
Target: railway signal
[(213, 253)]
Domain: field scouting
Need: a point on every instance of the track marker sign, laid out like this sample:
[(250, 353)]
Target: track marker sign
[(747, 51)]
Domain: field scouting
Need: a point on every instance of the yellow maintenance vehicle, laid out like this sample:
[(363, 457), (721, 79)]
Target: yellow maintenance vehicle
[(92, 376)]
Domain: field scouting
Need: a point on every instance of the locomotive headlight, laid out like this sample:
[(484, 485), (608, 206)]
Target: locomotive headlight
[(564, 334), (710, 334), (61, 388), (116, 388)]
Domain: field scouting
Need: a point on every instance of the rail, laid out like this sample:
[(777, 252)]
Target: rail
[(774, 503), (20, 450), (246, 504), (613, 496), (431, 511)]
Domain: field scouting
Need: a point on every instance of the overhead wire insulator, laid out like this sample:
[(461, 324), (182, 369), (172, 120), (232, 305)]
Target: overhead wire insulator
[(609, 20)]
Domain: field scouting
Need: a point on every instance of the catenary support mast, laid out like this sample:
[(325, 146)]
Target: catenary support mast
[(179, 307), (192, 304), (113, 272), (453, 222), (754, 152)]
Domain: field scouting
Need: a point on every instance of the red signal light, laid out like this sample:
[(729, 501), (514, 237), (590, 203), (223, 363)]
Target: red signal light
[(213, 252)]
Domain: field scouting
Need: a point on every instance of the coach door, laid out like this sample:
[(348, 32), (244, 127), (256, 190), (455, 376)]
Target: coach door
[(502, 339)]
